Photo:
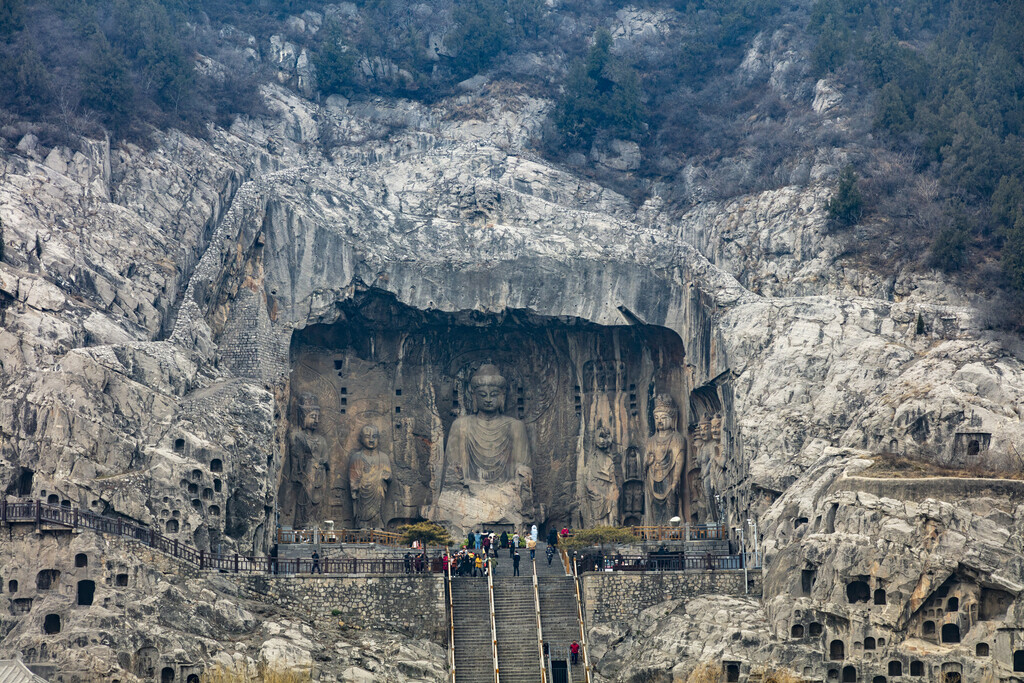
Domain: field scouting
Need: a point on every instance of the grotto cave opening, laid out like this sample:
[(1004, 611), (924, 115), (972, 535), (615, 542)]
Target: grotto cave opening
[(576, 407)]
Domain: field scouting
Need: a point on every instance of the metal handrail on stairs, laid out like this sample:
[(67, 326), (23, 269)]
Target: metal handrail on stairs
[(451, 620), (540, 633), (583, 630), (494, 627)]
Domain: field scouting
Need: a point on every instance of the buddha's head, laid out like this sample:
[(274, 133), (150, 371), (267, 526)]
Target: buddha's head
[(603, 438), (369, 436), (309, 411), (664, 413), (488, 389)]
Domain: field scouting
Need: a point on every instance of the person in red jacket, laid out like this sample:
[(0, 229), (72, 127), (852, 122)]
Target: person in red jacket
[(574, 650)]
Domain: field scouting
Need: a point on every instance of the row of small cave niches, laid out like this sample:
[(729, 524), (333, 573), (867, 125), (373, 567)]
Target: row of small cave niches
[(202, 494), (600, 384), (47, 580)]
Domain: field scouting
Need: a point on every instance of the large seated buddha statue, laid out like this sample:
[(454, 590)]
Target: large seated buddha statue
[(489, 477)]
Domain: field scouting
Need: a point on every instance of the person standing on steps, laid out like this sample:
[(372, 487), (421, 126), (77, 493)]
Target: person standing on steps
[(479, 565), (315, 567), (550, 552), (486, 542), (514, 545), (408, 562), (504, 539), (515, 563), (531, 545), (574, 650)]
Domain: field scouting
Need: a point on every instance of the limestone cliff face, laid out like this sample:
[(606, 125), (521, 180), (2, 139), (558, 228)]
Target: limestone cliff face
[(149, 300)]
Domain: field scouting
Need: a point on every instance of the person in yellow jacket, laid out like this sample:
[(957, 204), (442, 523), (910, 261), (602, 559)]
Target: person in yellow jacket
[(479, 567), (531, 545)]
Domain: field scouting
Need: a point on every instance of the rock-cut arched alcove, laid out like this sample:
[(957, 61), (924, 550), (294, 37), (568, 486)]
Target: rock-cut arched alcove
[(399, 377)]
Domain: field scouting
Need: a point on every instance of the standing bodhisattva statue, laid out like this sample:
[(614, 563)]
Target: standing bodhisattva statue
[(601, 488), (307, 457), (487, 446), (369, 472), (664, 458)]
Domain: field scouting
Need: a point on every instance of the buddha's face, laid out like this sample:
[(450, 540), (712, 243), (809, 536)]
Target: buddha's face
[(603, 439), (663, 420), (489, 398), (311, 418), (369, 436)]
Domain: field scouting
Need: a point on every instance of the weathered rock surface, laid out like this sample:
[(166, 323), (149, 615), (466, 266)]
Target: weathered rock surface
[(148, 300)]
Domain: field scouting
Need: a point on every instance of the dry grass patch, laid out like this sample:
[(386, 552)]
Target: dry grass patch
[(779, 675), (238, 673), (893, 466), (706, 672)]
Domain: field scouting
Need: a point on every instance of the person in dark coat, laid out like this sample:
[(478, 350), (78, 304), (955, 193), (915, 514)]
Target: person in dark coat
[(407, 559), (503, 541), (315, 567), (515, 564)]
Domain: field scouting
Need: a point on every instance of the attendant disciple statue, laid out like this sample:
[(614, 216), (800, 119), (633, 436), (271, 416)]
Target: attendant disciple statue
[(307, 459), (488, 447), (601, 487), (664, 458), (369, 472)]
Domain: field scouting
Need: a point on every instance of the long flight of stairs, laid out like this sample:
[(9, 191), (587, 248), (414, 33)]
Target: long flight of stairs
[(515, 619), (559, 619), (472, 618)]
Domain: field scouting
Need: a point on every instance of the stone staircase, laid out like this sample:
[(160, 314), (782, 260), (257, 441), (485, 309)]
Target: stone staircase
[(516, 622), (471, 614), (559, 619)]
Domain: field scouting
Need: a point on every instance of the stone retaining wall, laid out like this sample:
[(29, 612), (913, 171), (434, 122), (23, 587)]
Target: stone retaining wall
[(621, 596), (414, 605)]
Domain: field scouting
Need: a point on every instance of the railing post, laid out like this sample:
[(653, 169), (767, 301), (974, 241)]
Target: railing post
[(236, 563), (201, 553), (39, 511), (3, 510)]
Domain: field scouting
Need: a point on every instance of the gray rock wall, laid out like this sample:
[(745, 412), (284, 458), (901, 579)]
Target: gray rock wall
[(622, 596), (413, 605)]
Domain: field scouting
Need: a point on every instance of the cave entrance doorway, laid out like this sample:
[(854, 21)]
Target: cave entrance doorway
[(25, 482), (858, 591), (51, 624), (86, 591), (836, 651), (167, 675), (849, 674), (950, 633), (559, 671), (1018, 660)]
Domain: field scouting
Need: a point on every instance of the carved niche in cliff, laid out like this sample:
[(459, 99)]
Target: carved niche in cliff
[(544, 419)]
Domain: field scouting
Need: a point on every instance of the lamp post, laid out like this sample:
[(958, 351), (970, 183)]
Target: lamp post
[(743, 556), (757, 545)]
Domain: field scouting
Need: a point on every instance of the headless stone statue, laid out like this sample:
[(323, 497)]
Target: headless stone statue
[(664, 457), (307, 457), (601, 489), (369, 472)]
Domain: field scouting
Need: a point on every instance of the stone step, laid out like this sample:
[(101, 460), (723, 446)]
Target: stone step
[(472, 620)]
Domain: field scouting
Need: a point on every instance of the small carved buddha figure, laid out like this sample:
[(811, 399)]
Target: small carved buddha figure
[(488, 446), (716, 427), (664, 457), (307, 457), (600, 486), (369, 472)]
